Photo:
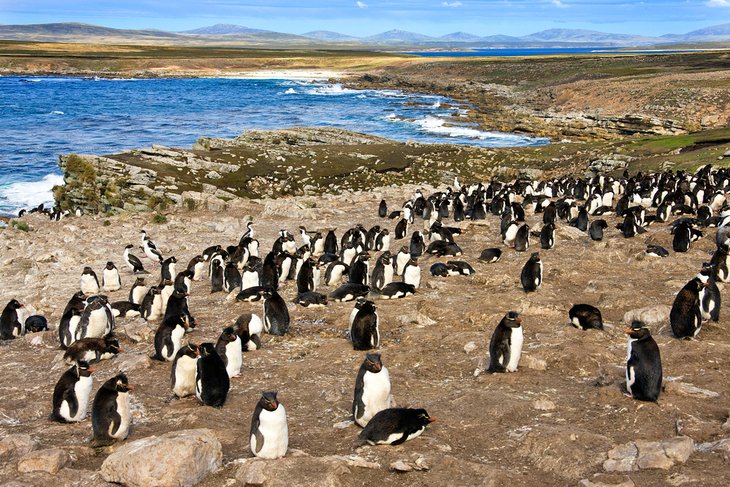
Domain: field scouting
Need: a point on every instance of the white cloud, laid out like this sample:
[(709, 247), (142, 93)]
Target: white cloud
[(560, 4), (452, 4), (718, 3), (361, 4)]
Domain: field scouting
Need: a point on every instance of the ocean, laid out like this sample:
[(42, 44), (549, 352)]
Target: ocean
[(42, 117)]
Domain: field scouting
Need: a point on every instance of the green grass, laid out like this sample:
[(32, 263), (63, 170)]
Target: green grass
[(159, 219)]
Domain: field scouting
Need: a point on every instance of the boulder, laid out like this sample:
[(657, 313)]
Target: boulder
[(182, 458), (331, 471), (650, 315), (50, 461), (644, 455), (16, 446)]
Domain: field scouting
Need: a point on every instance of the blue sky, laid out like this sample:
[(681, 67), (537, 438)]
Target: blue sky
[(366, 17)]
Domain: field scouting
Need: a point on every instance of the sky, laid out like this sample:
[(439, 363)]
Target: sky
[(368, 17)]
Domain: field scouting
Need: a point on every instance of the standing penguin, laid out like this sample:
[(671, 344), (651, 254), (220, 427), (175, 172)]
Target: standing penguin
[(169, 335), (10, 326), (383, 271), (395, 426), (276, 314), (269, 430), (89, 281), (249, 327), (197, 266), (71, 394), (382, 209), (138, 291), (522, 239), (359, 269), (686, 315), (418, 246), (251, 276), (216, 276), (505, 347), (231, 278), (412, 273), (682, 240), (110, 279), (110, 413), (228, 347), (152, 304), (184, 369), (211, 380), (710, 295), (167, 270), (643, 364), (372, 389), (547, 236), (364, 332), (97, 320), (531, 276)]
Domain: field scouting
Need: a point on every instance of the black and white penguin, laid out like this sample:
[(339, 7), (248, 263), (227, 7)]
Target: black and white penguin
[(89, 282), (710, 299), (581, 221), (383, 209), (276, 314), (252, 294), (686, 314), (330, 242), (71, 394), (97, 320), (417, 246), (396, 290), (167, 269), (360, 269), (441, 248), (184, 370), (505, 346), (595, 230), (249, 326), (10, 326), (531, 276), (138, 291), (585, 316), (682, 240), (372, 390), (311, 299), (401, 259), (92, 350), (229, 348), (439, 269), (152, 304), (490, 256), (364, 332), (656, 251), (35, 324), (150, 249), (210, 252), (251, 275), (306, 281), (67, 327), (197, 266), (459, 268), (110, 278), (547, 236), (168, 337), (643, 364), (394, 426), (335, 271), (216, 276), (110, 413), (270, 272), (401, 229), (132, 261), (383, 271), (412, 273), (231, 278), (211, 378), (269, 431), (522, 238), (349, 292)]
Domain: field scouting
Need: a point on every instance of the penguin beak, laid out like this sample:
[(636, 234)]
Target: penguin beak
[(130, 387), (628, 331), (91, 370), (431, 420), (120, 350)]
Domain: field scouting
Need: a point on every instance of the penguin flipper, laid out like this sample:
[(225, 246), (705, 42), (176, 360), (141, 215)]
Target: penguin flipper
[(401, 440), (73, 404)]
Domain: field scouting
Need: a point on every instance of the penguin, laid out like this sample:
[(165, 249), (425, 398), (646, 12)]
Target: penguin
[(110, 412), (110, 278), (444, 247), (396, 290), (71, 394), (509, 234), (459, 268), (383, 271), (372, 389), (89, 282), (138, 291), (132, 261), (401, 229), (167, 269), (216, 276), (231, 278), (348, 292), (682, 240), (586, 317), (167, 288), (656, 251), (547, 236), (417, 246), (382, 241), (150, 249), (229, 348), (184, 281), (330, 243), (364, 332), (531, 276), (311, 299), (360, 269), (306, 281), (401, 259), (643, 364), (250, 277), (10, 326), (276, 314), (184, 369), (210, 252), (249, 327), (709, 296), (335, 271), (505, 346), (686, 315), (269, 272), (595, 230), (92, 350), (197, 266), (412, 273), (491, 256), (439, 269), (581, 221), (522, 239), (269, 436), (67, 327), (252, 294), (97, 320), (383, 209), (36, 324), (395, 426), (152, 304), (211, 378)]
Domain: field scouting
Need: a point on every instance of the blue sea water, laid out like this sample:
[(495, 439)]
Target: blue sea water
[(43, 117)]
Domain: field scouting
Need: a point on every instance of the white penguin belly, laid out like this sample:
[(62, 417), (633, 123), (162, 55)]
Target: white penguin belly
[(249, 279), (138, 294), (515, 349), (273, 427), (387, 275), (111, 280), (176, 337), (400, 261), (397, 436), (375, 395), (89, 284), (124, 414), (510, 234), (285, 267), (198, 271), (235, 358), (335, 275), (185, 370), (255, 326), (413, 276), (82, 389), (98, 324), (385, 244), (157, 308)]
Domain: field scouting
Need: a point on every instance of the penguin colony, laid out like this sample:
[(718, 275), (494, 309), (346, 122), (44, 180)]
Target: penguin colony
[(86, 330)]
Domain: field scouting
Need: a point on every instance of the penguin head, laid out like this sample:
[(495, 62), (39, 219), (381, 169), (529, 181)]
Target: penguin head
[(385, 232), (512, 319), (110, 265), (120, 383), (88, 270), (139, 281), (386, 257), (268, 401), (206, 349), (360, 301), (111, 345), (535, 257), (15, 304), (373, 362), (83, 369), (638, 330), (423, 418), (266, 293), (229, 334), (190, 350)]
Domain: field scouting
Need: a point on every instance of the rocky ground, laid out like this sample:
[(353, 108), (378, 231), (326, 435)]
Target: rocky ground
[(562, 419)]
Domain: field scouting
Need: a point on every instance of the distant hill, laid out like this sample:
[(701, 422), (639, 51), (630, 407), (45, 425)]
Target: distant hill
[(582, 35), (76, 30), (459, 37), (396, 36), (224, 29), (715, 33), (328, 35)]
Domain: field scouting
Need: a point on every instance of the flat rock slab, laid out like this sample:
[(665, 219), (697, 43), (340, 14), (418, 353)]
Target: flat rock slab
[(15, 446), (50, 461), (643, 455), (179, 459)]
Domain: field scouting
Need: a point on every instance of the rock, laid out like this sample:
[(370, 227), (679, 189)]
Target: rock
[(533, 363), (569, 233), (400, 466), (650, 315), (343, 424), (182, 458), (543, 405), (649, 454), (138, 330), (470, 347), (684, 389), (213, 175), (720, 446), (50, 461), (330, 471), (621, 458), (131, 361), (16, 446), (589, 483)]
